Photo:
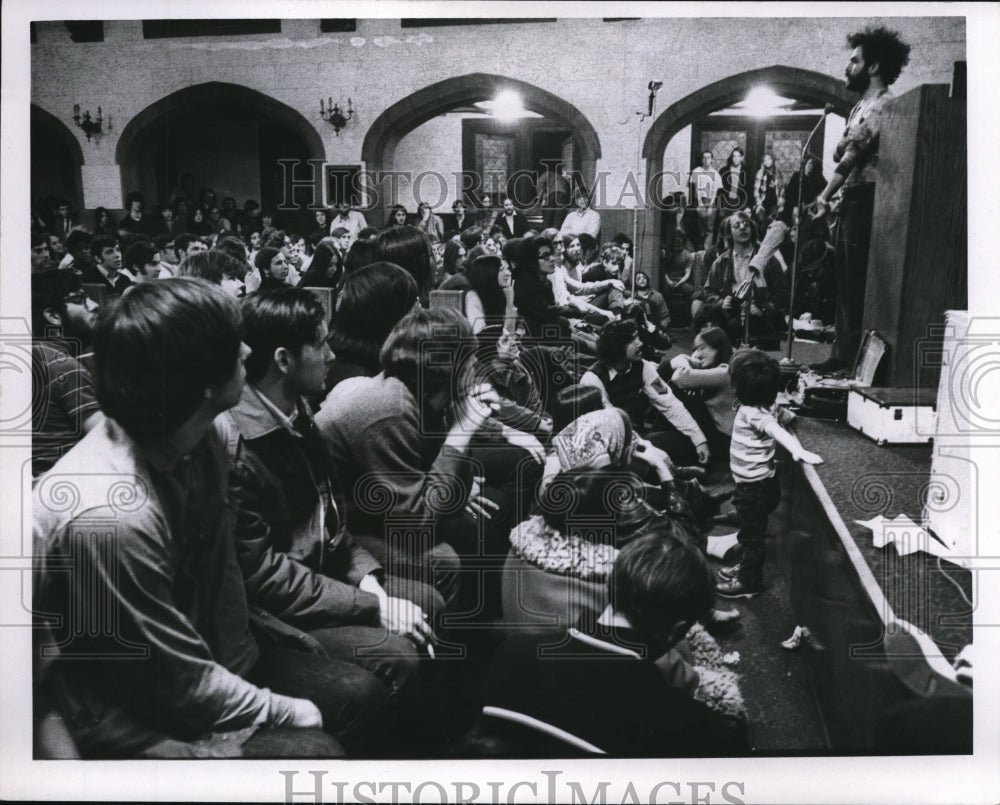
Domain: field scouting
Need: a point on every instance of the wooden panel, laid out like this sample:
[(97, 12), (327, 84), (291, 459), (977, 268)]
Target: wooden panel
[(448, 299), (918, 262)]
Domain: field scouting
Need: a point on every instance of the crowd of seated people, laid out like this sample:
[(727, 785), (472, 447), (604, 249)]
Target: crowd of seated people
[(356, 449)]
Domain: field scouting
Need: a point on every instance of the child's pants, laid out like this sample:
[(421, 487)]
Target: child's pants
[(754, 503)]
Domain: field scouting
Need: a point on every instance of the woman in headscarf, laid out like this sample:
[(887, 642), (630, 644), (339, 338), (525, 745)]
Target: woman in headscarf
[(590, 505)]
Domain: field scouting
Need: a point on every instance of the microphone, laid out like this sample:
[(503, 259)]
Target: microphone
[(827, 109)]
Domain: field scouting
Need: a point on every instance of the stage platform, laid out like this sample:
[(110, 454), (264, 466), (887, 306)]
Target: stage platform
[(867, 674)]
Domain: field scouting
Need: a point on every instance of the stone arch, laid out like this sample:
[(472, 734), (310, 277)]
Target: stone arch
[(61, 136), (407, 114), (803, 84), (190, 99)]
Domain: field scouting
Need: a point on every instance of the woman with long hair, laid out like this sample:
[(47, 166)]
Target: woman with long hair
[(735, 192), (453, 262), (104, 222), (371, 301), (701, 381), (766, 188), (397, 216), (429, 222), (410, 248), (490, 298), (325, 270)]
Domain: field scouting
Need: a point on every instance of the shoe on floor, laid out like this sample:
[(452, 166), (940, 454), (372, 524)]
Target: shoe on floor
[(738, 588), (828, 366)]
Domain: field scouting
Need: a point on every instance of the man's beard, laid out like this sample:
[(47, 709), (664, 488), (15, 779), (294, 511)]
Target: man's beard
[(859, 82)]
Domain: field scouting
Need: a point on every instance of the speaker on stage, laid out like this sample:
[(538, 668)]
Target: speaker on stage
[(917, 264)]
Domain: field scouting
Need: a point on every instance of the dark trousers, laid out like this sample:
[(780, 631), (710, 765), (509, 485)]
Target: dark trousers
[(754, 503), (853, 240), (354, 704), (391, 658)]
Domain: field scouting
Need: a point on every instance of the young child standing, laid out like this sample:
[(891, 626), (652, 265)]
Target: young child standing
[(759, 423)]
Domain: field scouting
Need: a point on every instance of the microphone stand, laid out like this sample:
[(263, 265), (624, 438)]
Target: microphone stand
[(798, 234), (638, 162)]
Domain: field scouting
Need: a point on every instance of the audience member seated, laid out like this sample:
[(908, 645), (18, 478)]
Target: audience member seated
[(582, 219), (63, 321), (56, 247), (632, 384), (598, 681), (652, 303), (348, 218), (218, 268), (409, 248), (370, 304), (106, 268), (135, 221), (553, 574), (272, 267), (398, 456), (453, 265), (180, 674), (499, 363), (532, 264), (326, 268), (571, 291), (41, 259), (701, 381), (235, 248), (572, 402), (429, 223), (397, 216), (299, 562), (142, 262), (683, 281), (490, 298), (511, 222), (322, 219), (460, 219), (361, 253), (104, 222), (735, 284)]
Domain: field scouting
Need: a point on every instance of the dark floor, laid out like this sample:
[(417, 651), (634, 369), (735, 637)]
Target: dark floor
[(783, 715)]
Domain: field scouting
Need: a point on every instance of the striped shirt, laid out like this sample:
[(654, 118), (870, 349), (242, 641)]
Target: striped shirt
[(751, 452), (65, 399)]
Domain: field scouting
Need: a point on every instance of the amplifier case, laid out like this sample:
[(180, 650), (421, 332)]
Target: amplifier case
[(893, 415)]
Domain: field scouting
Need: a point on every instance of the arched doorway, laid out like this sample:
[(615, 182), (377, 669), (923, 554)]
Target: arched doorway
[(804, 85), (413, 111), (56, 159), (228, 137)]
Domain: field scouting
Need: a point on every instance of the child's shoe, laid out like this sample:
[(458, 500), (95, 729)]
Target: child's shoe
[(737, 587)]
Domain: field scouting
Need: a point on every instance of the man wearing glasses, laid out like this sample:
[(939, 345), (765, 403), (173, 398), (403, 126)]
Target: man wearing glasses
[(63, 321), (732, 281)]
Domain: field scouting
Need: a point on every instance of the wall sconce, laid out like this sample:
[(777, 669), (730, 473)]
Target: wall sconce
[(333, 114), (90, 127)]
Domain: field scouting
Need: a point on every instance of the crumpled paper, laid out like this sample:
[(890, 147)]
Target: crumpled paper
[(905, 535), (802, 636)]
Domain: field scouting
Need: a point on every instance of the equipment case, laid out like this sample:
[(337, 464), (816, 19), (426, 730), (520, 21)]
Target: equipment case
[(893, 415)]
